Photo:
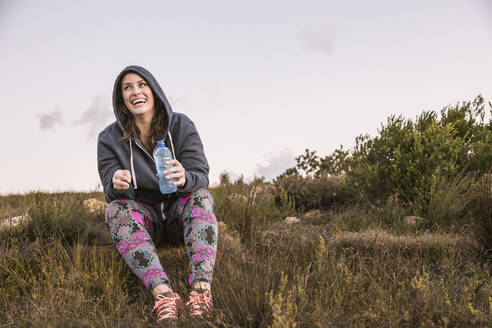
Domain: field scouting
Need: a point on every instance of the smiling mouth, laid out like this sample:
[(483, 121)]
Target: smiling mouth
[(139, 102)]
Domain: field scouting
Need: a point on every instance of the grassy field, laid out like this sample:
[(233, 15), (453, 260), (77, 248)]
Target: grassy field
[(350, 266)]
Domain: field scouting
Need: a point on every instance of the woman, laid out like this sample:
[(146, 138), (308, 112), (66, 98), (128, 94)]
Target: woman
[(137, 211)]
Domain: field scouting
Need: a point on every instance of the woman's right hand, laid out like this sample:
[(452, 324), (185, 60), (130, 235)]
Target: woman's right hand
[(122, 179)]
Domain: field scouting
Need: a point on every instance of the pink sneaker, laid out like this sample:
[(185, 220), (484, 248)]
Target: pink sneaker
[(200, 304), (167, 308)]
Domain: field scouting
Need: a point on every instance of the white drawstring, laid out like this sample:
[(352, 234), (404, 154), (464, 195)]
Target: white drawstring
[(131, 164), (163, 214), (172, 146)]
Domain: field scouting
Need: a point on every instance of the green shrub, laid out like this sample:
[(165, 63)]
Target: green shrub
[(451, 200), (316, 182), (407, 156), (404, 160), (313, 192)]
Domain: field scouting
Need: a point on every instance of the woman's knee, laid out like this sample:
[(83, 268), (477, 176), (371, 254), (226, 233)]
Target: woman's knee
[(113, 208), (204, 199)]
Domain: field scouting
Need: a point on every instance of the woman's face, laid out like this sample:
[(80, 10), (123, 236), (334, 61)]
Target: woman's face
[(138, 96)]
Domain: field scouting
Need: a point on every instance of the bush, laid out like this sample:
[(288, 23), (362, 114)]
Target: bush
[(451, 200), (316, 182), (407, 156), (404, 160), (312, 192)]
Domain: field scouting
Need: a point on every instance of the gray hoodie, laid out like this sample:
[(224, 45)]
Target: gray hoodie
[(180, 135)]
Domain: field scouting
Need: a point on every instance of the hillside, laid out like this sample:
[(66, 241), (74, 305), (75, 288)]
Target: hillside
[(341, 267)]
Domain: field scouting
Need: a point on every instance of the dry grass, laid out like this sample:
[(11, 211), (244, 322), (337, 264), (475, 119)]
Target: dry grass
[(350, 267), (381, 238)]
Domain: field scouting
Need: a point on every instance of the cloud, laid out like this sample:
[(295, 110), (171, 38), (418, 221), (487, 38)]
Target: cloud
[(276, 164), (318, 40), (97, 116), (49, 120)]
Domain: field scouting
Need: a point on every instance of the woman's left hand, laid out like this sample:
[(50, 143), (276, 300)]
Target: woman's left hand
[(177, 172)]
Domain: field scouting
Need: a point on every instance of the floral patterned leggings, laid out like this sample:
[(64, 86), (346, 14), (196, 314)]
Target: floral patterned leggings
[(134, 226)]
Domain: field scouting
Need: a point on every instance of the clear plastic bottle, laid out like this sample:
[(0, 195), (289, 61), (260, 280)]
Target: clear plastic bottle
[(162, 154)]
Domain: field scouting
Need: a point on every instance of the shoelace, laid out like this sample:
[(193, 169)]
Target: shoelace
[(166, 308), (200, 303)]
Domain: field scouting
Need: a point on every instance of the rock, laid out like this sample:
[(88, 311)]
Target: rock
[(221, 226), (412, 220), (94, 205), (291, 219), (231, 240), (312, 213), (12, 222), (237, 198)]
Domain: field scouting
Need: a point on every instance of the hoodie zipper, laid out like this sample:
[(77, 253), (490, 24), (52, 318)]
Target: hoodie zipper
[(145, 150)]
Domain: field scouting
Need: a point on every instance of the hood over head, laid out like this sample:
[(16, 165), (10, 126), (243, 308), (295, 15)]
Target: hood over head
[(159, 95)]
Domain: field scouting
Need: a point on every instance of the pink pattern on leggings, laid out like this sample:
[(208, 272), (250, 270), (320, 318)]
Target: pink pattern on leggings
[(151, 274), (203, 253), (190, 278), (137, 217), (184, 200), (200, 215), (144, 223), (126, 246)]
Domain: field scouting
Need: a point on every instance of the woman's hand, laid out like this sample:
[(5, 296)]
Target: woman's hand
[(122, 180), (176, 172)]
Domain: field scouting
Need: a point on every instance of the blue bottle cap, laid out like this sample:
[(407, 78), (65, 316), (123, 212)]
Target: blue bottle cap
[(160, 143)]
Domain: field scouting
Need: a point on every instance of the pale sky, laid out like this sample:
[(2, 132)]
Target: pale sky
[(262, 80)]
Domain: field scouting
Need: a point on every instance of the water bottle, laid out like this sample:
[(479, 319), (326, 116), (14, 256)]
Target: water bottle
[(162, 154)]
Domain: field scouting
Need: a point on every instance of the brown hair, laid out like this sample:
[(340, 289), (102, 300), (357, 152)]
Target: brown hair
[(157, 125)]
